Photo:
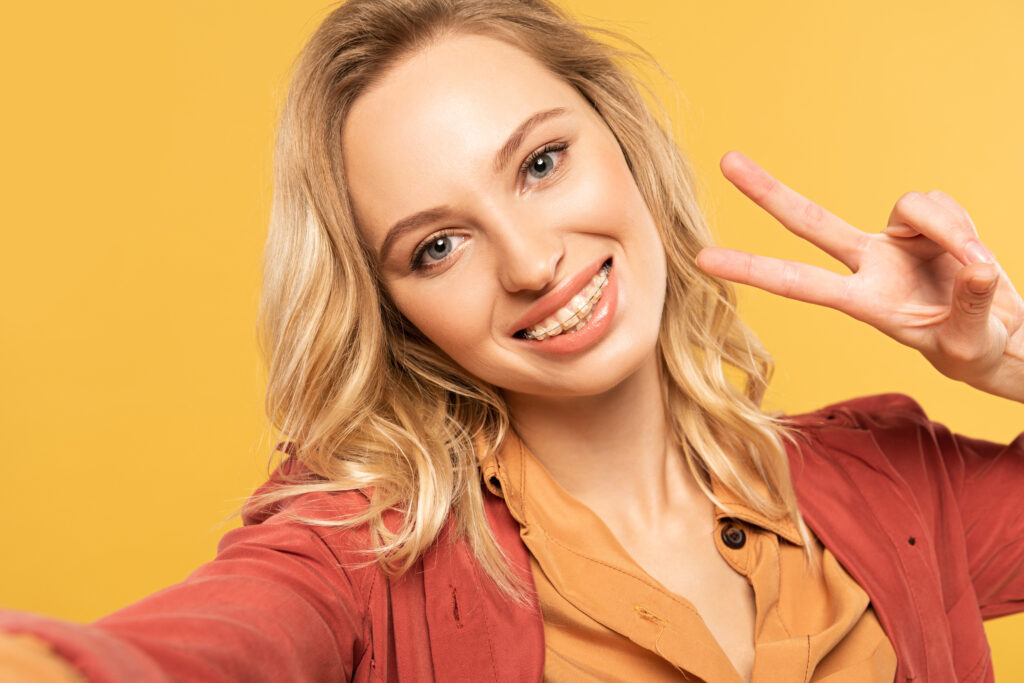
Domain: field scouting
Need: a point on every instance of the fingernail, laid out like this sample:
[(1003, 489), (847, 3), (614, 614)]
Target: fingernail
[(976, 252), (982, 284)]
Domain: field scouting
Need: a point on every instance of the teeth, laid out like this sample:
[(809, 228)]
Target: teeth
[(564, 315), (574, 315)]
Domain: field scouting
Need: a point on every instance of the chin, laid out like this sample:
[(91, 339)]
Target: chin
[(589, 376)]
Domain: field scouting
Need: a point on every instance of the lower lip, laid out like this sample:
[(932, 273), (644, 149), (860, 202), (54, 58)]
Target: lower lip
[(596, 327)]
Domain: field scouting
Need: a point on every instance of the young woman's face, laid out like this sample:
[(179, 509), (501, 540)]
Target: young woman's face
[(494, 198)]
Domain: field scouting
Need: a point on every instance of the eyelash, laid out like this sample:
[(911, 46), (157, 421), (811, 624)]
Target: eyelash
[(417, 255), (416, 263), (536, 154)]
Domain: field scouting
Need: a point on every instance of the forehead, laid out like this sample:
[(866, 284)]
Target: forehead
[(429, 129)]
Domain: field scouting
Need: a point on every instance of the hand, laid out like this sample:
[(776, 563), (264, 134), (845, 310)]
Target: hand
[(926, 280)]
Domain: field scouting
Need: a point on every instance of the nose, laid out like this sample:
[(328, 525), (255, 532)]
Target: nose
[(529, 252)]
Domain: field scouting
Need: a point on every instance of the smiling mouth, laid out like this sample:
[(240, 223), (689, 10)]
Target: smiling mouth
[(574, 316)]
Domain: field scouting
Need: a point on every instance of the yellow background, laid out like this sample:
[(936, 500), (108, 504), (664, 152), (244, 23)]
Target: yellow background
[(136, 183)]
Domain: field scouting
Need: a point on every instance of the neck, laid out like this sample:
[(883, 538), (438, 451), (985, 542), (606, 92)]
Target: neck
[(611, 448)]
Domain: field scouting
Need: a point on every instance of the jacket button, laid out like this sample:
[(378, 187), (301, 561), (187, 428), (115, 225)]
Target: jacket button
[(733, 536)]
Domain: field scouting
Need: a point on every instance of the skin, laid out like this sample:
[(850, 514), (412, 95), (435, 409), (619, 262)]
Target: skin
[(926, 280), (425, 135)]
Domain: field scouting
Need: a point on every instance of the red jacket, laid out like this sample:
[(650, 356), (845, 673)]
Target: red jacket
[(926, 521)]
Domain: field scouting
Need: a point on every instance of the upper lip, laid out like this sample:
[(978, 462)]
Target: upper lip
[(558, 297)]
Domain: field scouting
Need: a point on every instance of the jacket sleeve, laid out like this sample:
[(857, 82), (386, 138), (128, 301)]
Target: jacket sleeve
[(969, 486), (988, 481), (275, 604)]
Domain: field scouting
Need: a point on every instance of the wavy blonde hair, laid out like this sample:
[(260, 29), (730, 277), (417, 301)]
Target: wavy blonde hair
[(367, 402)]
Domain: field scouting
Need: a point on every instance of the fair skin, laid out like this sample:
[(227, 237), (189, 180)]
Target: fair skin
[(425, 137)]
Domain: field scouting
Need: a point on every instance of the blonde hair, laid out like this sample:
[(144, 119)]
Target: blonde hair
[(367, 402)]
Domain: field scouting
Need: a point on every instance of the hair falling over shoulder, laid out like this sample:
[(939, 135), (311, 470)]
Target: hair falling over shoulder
[(366, 402)]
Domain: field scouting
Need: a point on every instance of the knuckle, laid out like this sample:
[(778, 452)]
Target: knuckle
[(907, 201), (955, 225), (748, 269), (766, 188), (961, 220), (813, 214), (789, 280), (962, 229), (973, 305)]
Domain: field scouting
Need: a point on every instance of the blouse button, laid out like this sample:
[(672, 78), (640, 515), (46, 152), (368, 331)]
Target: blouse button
[(733, 536)]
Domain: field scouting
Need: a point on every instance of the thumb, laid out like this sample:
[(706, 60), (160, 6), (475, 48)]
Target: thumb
[(973, 292)]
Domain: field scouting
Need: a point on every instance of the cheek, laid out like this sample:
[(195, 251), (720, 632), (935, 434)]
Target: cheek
[(455, 318), (612, 198), (646, 262), (620, 200)]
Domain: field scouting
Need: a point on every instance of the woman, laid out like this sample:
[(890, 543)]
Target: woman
[(485, 259)]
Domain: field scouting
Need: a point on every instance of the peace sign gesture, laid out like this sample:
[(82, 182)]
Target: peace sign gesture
[(926, 280)]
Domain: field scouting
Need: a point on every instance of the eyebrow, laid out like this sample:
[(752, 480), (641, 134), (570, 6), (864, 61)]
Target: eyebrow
[(504, 154), (409, 224), (501, 160)]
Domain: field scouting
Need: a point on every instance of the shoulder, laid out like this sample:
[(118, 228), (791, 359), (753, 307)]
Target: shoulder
[(289, 493), (889, 427), (293, 492), (886, 447), (287, 515), (876, 412), (865, 440)]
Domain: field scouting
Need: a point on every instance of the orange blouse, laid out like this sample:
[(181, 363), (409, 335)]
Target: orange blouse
[(605, 618)]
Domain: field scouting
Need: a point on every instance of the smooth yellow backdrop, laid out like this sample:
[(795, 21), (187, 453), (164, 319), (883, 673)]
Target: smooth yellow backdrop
[(136, 185)]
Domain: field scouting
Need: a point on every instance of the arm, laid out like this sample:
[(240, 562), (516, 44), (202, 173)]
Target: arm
[(275, 605), (967, 489), (987, 479), (26, 658)]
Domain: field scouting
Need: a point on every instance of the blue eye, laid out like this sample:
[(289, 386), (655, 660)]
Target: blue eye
[(436, 249), (541, 166), (542, 162), (439, 248)]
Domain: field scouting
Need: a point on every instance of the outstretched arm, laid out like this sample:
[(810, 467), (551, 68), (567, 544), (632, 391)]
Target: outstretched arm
[(926, 280), (276, 604)]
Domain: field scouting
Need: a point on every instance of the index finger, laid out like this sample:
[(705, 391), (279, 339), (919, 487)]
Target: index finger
[(799, 215)]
